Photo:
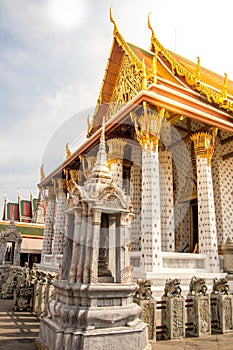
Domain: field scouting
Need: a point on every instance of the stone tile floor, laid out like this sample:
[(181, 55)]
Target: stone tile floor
[(18, 330)]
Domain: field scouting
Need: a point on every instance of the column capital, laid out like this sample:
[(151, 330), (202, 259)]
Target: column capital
[(115, 150), (204, 144), (60, 186), (148, 127), (75, 177)]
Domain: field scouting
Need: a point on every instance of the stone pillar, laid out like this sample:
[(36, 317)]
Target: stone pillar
[(199, 315), (222, 312), (49, 222), (60, 219), (148, 128), (115, 160), (173, 317), (166, 201), (208, 243), (123, 268), (136, 197), (76, 244), (82, 235), (95, 246), (112, 245), (68, 244)]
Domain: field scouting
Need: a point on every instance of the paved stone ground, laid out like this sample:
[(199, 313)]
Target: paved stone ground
[(18, 331)]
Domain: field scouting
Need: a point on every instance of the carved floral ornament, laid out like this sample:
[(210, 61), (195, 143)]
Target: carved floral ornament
[(148, 127), (204, 144)]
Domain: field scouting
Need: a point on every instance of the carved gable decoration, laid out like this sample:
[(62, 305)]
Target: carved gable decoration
[(129, 84), (112, 197), (11, 234)]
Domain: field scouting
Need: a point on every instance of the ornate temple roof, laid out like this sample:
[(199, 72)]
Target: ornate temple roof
[(147, 66), (161, 78)]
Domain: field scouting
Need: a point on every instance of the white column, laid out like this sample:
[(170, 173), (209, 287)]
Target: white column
[(136, 196), (60, 219), (166, 201), (49, 222), (148, 127), (150, 220), (208, 244)]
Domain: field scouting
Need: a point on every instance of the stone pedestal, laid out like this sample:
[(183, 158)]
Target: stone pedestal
[(199, 315), (222, 312), (93, 317), (148, 315), (173, 317)]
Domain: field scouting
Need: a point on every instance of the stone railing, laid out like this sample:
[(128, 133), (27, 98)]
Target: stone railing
[(31, 289), (198, 314)]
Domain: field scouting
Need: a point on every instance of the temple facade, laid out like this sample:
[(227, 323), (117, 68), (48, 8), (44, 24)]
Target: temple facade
[(169, 144)]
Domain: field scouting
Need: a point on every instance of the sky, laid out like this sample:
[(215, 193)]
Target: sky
[(53, 55)]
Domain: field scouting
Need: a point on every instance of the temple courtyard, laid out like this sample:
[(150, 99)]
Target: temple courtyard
[(19, 330)]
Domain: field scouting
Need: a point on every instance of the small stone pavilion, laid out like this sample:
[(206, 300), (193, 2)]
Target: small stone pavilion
[(93, 306), (10, 246)]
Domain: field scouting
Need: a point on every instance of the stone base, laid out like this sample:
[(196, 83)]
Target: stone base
[(222, 312), (173, 317), (133, 337), (199, 316)]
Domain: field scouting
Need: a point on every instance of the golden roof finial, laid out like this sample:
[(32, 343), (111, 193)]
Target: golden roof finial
[(42, 173), (68, 153), (224, 88), (89, 124), (115, 31), (152, 45), (197, 74)]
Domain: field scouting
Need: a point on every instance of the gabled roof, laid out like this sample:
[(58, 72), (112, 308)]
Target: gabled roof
[(159, 61)]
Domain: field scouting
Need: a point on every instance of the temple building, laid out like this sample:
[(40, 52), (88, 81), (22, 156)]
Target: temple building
[(169, 144), (22, 221)]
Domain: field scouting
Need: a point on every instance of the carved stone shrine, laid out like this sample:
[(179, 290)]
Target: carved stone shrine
[(93, 306)]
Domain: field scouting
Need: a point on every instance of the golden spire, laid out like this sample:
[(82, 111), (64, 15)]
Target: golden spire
[(224, 88), (42, 173), (68, 153), (115, 31), (90, 124), (197, 74)]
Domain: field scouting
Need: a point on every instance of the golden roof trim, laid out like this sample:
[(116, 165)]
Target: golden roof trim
[(193, 79)]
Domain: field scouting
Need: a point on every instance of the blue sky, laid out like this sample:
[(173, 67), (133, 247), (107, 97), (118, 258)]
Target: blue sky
[(52, 62)]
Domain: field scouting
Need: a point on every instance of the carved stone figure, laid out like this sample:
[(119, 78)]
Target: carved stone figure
[(172, 288), (221, 286), (144, 291), (197, 286)]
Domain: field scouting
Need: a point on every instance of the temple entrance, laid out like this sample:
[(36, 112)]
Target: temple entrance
[(109, 261), (194, 227), (9, 257), (104, 273)]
